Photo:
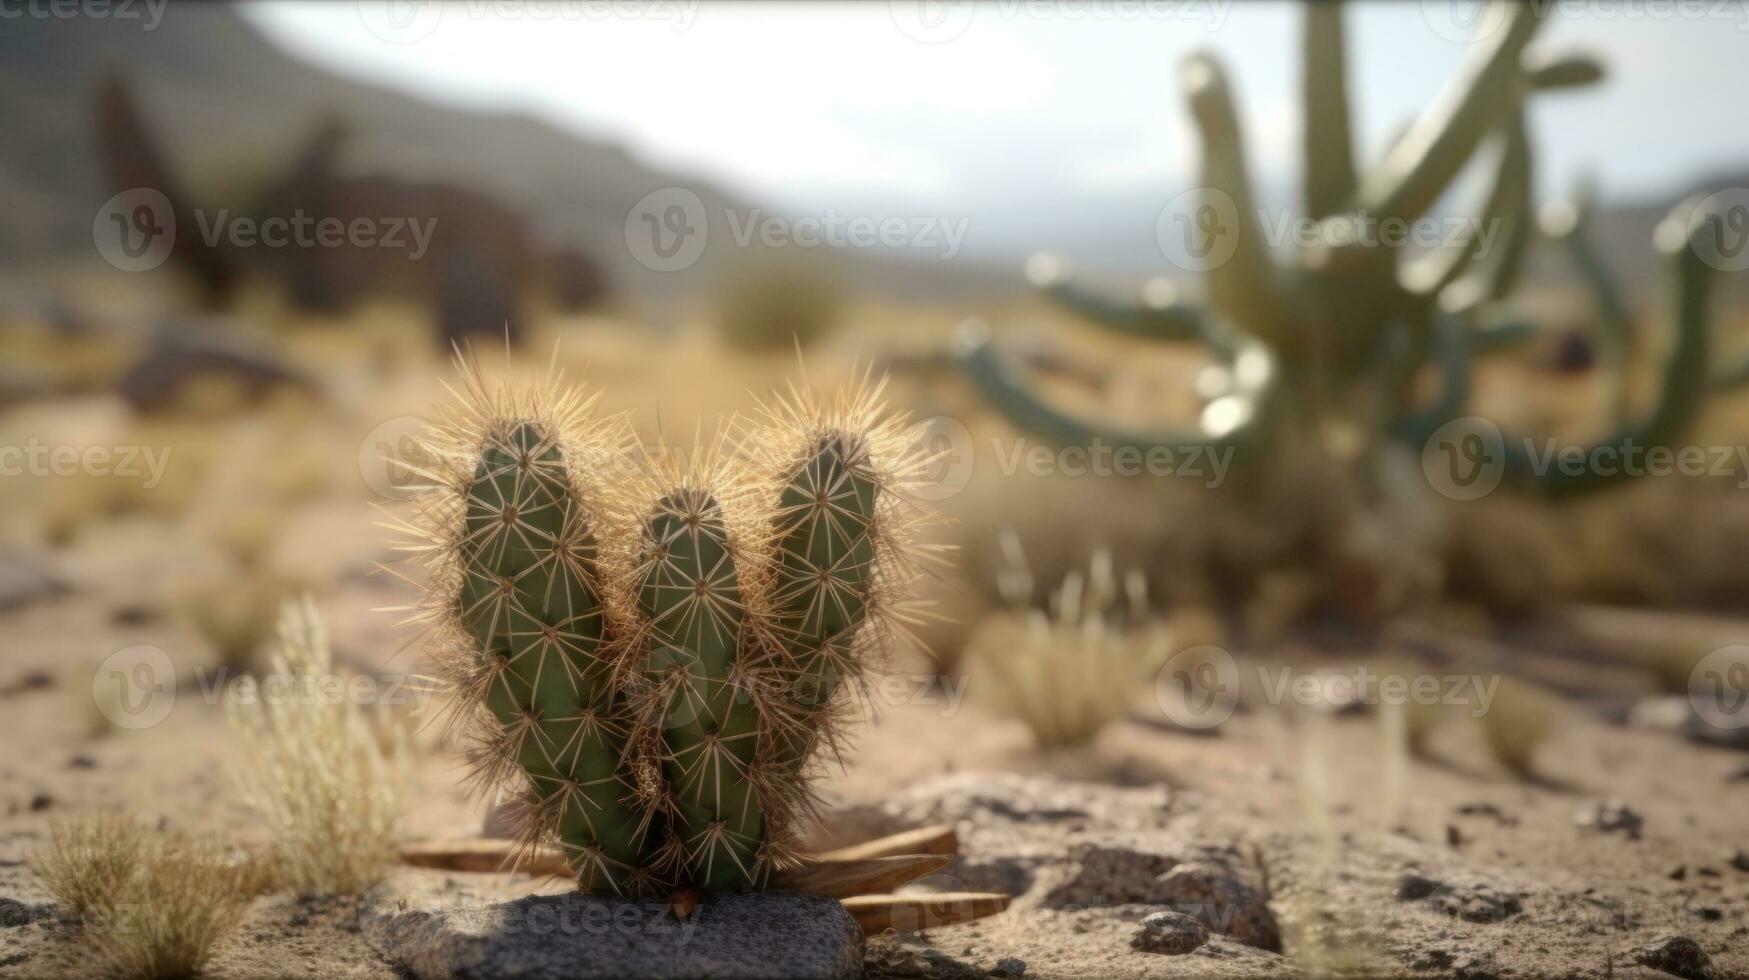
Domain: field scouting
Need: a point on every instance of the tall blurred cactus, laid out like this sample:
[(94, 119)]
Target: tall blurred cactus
[(654, 654), (1336, 341)]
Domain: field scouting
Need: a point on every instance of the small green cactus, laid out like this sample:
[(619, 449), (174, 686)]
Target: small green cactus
[(655, 655)]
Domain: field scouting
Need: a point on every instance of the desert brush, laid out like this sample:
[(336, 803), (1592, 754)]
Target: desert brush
[(656, 648)]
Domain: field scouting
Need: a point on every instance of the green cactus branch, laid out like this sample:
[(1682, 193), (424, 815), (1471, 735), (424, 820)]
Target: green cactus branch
[(1684, 382), (1423, 163), (1326, 137), (1237, 423), (1158, 315), (1245, 288)]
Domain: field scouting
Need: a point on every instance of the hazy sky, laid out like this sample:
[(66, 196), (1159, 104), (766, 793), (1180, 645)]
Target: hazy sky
[(1051, 105)]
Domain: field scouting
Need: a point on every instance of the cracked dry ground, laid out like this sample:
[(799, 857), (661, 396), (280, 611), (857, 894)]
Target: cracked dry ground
[(1285, 837)]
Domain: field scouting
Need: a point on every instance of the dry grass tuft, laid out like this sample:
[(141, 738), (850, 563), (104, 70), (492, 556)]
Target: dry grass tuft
[(1517, 722), (1069, 672), (318, 769), (150, 904)]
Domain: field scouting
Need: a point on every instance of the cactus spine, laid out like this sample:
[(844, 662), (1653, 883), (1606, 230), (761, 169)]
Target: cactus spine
[(654, 657)]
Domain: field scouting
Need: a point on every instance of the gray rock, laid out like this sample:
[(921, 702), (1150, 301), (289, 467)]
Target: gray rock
[(1171, 933), (1610, 816), (1009, 966), (14, 913), (772, 934), (1222, 901), (1676, 955), (1473, 898)]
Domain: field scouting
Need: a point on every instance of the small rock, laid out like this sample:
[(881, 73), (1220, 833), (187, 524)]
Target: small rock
[(1678, 873), (1500, 816), (41, 802), (1739, 860), (1708, 871), (1610, 816), (1223, 902), (1739, 776), (1171, 933), (1676, 955), (14, 913), (1009, 966), (571, 936), (1473, 899), (82, 761), (1414, 887), (1709, 913)]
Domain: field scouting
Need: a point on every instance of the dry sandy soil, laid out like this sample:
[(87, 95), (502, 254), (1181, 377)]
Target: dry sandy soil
[(1302, 808)]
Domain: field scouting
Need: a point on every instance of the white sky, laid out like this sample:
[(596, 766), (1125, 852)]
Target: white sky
[(1057, 106)]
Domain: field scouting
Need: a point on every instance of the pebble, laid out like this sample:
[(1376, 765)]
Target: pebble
[(1009, 966), (1171, 933), (1610, 816), (1677, 955)]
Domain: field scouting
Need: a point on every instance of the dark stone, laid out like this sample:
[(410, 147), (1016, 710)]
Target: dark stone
[(1009, 966), (1169, 933), (1676, 955), (1223, 901), (1610, 816), (769, 934), (14, 913)]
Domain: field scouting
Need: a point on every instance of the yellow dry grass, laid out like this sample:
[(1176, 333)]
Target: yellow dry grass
[(324, 775), (150, 903)]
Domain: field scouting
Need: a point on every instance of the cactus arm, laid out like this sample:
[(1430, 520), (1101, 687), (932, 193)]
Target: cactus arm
[(1423, 163), (1158, 315), (1684, 379), (1570, 223), (530, 600), (1496, 331), (1508, 220), (1732, 375), (1566, 72), (824, 567), (1327, 140), (1453, 343), (1234, 424), (1246, 288), (691, 594)]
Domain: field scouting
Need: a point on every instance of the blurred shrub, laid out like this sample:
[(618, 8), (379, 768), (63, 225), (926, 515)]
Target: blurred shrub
[(771, 299)]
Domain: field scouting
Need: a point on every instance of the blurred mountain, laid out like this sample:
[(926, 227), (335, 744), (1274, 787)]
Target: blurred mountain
[(231, 110)]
